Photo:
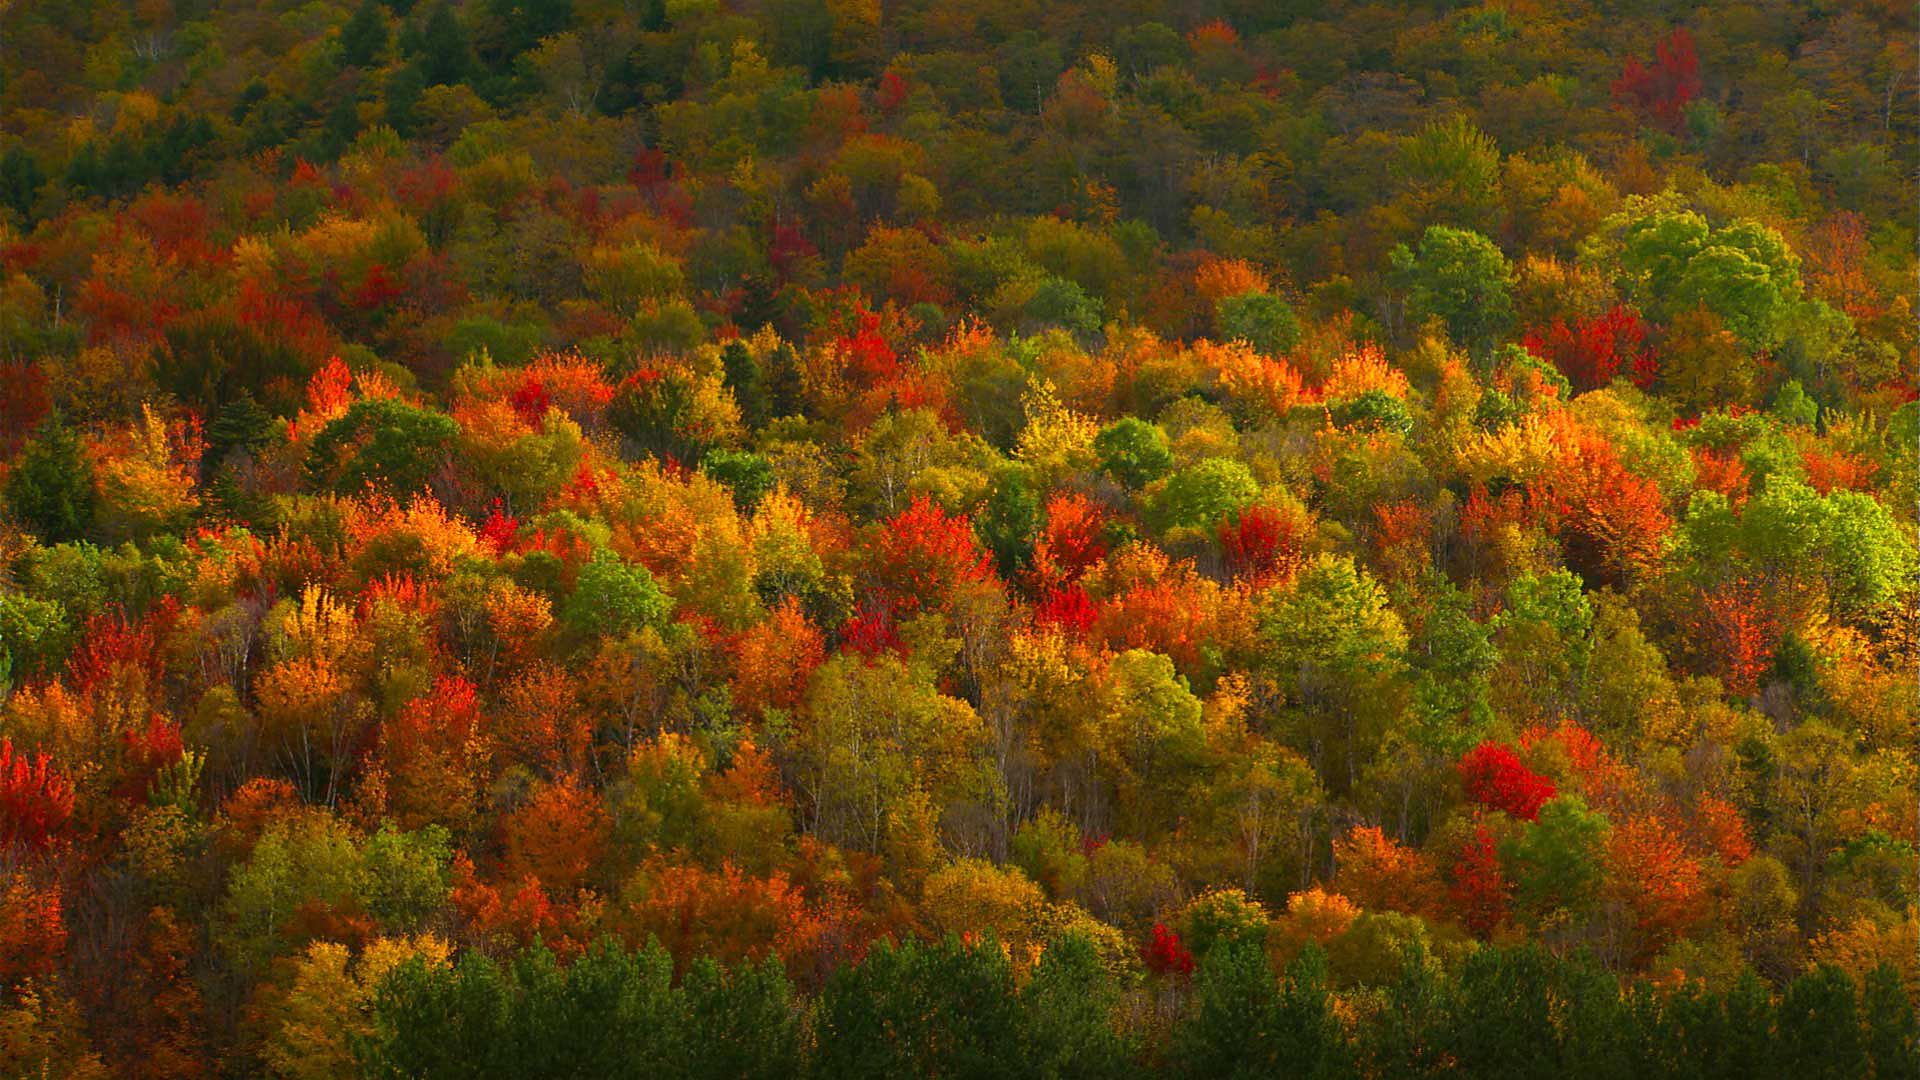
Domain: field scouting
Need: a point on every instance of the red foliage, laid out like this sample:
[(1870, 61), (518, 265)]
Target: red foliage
[(531, 401), (1258, 541), (870, 633), (923, 554), (500, 529), (24, 402), (1164, 955), (377, 289), (1480, 886), (110, 646), (1830, 470), (1590, 352), (788, 246), (282, 318), (1067, 607), (35, 801), (1071, 541), (1661, 90), (651, 170), (148, 750), (867, 352), (1494, 777), (892, 91), (178, 225)]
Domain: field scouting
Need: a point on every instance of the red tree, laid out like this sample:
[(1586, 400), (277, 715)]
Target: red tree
[(1164, 955), (35, 801), (1495, 778), (1480, 886), (1662, 89), (923, 554), (1590, 352)]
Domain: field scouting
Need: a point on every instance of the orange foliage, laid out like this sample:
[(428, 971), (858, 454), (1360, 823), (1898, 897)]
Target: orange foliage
[(1217, 279), (1721, 471), (1837, 470), (775, 658), (33, 929), (540, 722), (1071, 541), (1271, 384), (433, 756), (557, 837), (1650, 871), (734, 917), (1362, 370), (1380, 874)]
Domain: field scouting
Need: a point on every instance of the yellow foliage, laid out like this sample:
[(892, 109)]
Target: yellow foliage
[(1056, 439), (1362, 370)]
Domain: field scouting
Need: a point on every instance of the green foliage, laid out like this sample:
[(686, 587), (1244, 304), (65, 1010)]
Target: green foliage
[(748, 475), (51, 488), (943, 1010), (613, 596), (1133, 451), (1558, 857), (381, 443), (1243, 1025), (1461, 278), (1260, 319), (1202, 495)]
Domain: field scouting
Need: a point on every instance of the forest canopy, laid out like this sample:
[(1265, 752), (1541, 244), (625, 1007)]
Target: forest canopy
[(993, 538)]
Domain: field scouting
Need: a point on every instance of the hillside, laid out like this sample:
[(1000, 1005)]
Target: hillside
[(830, 537)]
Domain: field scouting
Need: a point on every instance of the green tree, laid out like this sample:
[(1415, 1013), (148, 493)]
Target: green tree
[(1133, 451), (364, 37), (384, 443), (1066, 1016), (1460, 277), (1260, 319), (613, 596), (943, 1010), (1557, 859), (51, 489), (1241, 1024), (1200, 495)]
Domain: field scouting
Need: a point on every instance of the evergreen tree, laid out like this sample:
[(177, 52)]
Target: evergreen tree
[(51, 490)]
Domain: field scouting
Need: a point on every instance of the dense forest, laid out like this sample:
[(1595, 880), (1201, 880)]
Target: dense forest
[(983, 538)]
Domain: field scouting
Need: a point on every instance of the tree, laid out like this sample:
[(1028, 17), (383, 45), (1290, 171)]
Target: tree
[(20, 180), (364, 37), (1461, 278), (381, 443), (1558, 859), (1201, 495), (36, 801), (1066, 1015), (1260, 319), (612, 597), (1133, 451), (445, 56), (1244, 1025), (1661, 90), (51, 488), (1494, 777), (943, 1010)]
